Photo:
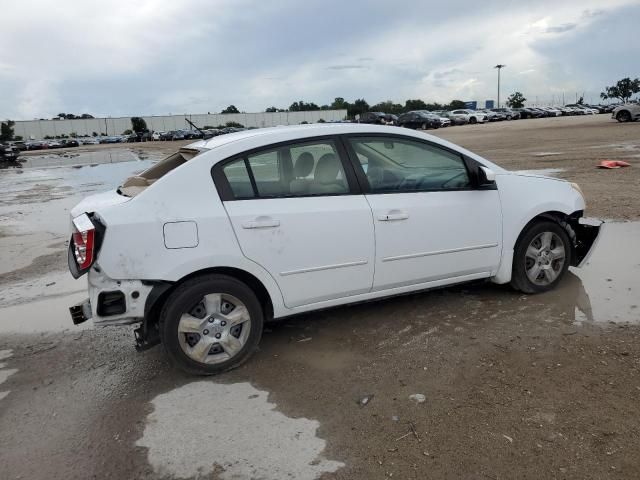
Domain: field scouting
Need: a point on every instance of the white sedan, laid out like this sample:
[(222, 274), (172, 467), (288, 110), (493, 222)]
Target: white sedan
[(205, 246)]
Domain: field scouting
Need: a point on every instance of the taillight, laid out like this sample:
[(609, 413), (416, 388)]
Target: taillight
[(83, 241)]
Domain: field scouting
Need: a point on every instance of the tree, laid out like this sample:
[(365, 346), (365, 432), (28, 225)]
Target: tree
[(358, 107), (94, 134), (230, 109), (138, 124), (322, 120), (127, 132), (623, 90), (516, 100), (86, 115), (339, 103), (388, 107), (456, 104), (580, 101), (232, 125), (6, 130), (271, 110), (410, 105), (302, 106)]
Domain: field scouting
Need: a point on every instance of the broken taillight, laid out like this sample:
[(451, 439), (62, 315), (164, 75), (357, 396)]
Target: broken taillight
[(83, 241)]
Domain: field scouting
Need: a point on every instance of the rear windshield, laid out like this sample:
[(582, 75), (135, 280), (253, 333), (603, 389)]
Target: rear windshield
[(136, 184)]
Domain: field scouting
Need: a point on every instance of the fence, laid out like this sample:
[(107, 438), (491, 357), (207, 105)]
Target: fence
[(38, 129)]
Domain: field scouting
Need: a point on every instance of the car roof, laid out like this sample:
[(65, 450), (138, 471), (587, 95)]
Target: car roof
[(259, 137)]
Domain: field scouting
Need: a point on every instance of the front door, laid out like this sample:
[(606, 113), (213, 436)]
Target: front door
[(430, 223), (298, 214)]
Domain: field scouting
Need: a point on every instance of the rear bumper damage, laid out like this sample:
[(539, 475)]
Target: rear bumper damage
[(112, 302)]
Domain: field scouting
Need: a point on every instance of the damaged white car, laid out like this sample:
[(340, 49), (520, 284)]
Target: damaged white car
[(205, 246)]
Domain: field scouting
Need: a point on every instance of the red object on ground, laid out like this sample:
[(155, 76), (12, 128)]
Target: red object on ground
[(613, 164)]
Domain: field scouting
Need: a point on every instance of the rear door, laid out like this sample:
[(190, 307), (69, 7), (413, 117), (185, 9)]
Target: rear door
[(431, 224), (296, 210)]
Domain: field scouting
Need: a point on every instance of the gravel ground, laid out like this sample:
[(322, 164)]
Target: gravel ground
[(514, 386)]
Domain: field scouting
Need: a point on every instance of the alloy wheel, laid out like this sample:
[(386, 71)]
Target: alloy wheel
[(544, 258)]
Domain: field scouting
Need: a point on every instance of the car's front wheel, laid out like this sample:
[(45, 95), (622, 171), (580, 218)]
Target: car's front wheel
[(541, 257), (473, 120), (210, 324)]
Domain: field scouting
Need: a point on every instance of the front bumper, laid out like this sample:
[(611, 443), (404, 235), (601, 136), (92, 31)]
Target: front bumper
[(587, 232)]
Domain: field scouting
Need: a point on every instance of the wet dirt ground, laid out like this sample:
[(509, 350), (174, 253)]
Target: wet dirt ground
[(514, 386)]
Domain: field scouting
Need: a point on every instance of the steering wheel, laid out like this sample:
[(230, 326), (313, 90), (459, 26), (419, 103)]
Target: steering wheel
[(445, 184)]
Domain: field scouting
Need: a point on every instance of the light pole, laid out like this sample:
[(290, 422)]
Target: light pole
[(499, 67)]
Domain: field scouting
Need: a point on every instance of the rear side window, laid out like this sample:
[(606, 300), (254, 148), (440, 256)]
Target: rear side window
[(238, 178), (294, 170)]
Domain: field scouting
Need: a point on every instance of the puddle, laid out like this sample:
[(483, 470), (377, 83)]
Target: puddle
[(72, 158), (230, 432), (49, 315), (609, 285), (546, 154), (541, 171), (54, 284)]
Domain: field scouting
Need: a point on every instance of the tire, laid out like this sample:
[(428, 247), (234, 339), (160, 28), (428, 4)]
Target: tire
[(189, 332), (509, 117), (424, 126), (623, 116), (541, 262), (473, 120)]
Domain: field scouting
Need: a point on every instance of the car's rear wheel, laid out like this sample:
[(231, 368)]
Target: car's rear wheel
[(541, 257), (211, 324), (623, 116)]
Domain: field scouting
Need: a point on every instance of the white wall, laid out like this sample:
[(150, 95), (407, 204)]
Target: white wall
[(38, 129)]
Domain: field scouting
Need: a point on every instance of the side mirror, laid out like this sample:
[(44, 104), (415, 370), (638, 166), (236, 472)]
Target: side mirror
[(486, 176)]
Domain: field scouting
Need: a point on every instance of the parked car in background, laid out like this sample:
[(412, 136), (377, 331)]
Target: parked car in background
[(492, 116), (454, 119), (173, 135), (157, 135), (527, 112), (8, 153), (626, 113), (552, 111), (69, 143), (472, 116), (509, 113), (35, 145), (338, 214), (419, 119), (377, 118)]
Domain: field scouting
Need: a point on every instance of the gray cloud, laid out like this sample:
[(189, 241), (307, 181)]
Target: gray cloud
[(346, 67), (112, 57), (565, 27)]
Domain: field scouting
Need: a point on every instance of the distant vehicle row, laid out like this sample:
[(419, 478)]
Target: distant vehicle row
[(441, 118)]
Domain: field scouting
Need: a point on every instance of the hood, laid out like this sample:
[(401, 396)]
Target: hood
[(98, 201)]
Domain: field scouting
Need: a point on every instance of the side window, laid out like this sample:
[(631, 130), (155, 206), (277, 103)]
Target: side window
[(304, 169), (400, 165), (239, 180)]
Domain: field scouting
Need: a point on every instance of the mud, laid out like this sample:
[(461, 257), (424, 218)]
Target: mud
[(515, 386)]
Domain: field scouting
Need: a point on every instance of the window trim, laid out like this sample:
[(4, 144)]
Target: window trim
[(226, 193), (470, 165)]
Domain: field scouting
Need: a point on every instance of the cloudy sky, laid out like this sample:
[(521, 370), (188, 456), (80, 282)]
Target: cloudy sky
[(118, 57)]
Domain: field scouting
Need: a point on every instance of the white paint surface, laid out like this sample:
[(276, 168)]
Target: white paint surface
[(233, 430), (4, 372)]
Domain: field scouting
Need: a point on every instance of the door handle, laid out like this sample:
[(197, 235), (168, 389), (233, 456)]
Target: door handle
[(261, 222), (392, 215)]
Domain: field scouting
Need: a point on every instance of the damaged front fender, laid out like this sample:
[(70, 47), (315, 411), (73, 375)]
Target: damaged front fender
[(587, 231)]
